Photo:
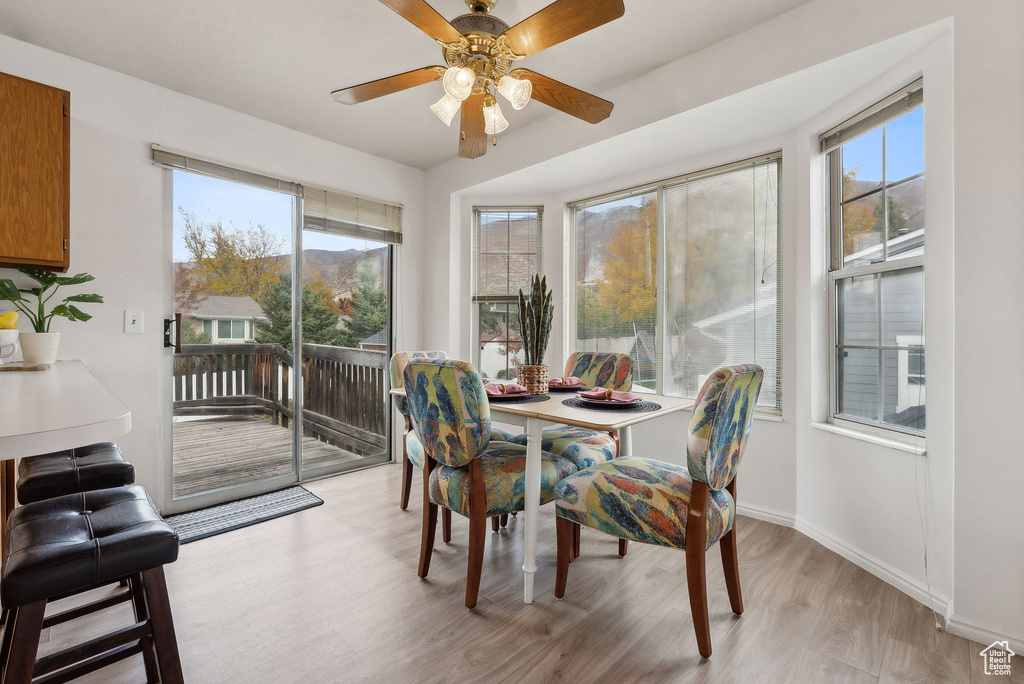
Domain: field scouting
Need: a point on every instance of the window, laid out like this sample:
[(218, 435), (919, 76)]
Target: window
[(684, 276), (228, 329), (876, 275), (506, 255)]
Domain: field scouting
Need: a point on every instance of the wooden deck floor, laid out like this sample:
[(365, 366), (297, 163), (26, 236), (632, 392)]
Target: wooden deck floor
[(210, 454)]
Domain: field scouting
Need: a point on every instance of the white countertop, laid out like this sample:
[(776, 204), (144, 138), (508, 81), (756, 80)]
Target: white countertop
[(62, 407)]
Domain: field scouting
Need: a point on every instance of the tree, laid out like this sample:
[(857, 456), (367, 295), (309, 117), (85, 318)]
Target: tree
[(319, 322), (189, 291), (369, 304), (628, 288), (863, 221), (230, 260), (193, 333)]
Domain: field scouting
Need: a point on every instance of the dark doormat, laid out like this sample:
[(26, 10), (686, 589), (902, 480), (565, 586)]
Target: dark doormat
[(213, 520)]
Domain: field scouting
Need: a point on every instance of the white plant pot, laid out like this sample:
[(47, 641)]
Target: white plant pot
[(39, 349)]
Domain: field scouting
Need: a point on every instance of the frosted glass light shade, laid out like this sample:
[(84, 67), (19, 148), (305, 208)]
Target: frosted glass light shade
[(494, 120), (515, 90), (458, 82), (445, 108)]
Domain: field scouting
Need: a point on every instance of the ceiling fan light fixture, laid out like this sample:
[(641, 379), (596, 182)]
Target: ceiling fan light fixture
[(445, 108), (494, 121), (516, 90), (458, 82)]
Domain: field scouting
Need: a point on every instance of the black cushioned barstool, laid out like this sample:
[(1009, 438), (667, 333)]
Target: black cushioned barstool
[(73, 543), (83, 469)]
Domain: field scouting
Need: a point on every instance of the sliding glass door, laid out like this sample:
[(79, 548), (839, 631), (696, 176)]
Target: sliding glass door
[(346, 344), (285, 334), (232, 424)]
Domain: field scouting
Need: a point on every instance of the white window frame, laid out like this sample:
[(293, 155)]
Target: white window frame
[(767, 412), (888, 109), (477, 299)]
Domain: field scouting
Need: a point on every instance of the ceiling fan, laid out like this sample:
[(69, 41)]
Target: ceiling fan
[(480, 51)]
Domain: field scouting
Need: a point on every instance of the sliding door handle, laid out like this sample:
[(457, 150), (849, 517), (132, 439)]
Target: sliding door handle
[(176, 321)]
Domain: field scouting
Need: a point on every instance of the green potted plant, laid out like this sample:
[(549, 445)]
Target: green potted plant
[(39, 347), (535, 313)]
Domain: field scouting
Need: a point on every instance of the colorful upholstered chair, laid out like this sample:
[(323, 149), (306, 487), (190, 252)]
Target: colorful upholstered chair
[(688, 508), (465, 470), (585, 447), (411, 446)]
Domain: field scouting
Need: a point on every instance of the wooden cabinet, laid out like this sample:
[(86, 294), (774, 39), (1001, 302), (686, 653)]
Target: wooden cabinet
[(35, 154)]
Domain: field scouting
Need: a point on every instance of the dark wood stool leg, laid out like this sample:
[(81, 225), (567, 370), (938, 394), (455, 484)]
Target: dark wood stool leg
[(141, 615), (446, 525), (495, 522), (25, 623), (504, 519), (565, 535), (159, 607), (623, 546)]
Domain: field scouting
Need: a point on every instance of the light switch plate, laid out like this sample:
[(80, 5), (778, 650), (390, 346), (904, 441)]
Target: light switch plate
[(133, 321)]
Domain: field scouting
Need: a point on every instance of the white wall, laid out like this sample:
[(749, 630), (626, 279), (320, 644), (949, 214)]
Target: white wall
[(857, 496), (119, 219)]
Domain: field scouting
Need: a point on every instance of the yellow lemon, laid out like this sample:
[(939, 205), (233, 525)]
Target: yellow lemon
[(9, 320)]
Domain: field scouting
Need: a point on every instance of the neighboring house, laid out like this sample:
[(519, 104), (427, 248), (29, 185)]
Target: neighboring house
[(378, 341), (228, 319)]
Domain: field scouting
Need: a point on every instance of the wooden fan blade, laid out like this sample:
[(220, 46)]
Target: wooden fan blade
[(565, 98), (425, 18), (559, 21), (386, 86), (472, 139)]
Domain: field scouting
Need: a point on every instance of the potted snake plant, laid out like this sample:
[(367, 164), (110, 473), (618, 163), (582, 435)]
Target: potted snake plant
[(39, 347), (535, 313)]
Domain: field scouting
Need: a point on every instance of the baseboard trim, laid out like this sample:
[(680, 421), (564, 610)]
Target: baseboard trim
[(883, 571), (983, 634), (766, 515)]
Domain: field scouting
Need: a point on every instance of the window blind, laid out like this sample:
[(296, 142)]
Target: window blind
[(897, 104), (336, 212), (177, 160)]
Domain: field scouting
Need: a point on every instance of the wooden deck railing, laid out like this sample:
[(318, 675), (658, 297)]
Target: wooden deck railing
[(344, 390)]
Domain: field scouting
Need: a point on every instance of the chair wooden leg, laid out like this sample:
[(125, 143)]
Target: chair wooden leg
[(136, 585), (407, 467), (477, 525), (446, 525), (565, 534), (25, 623), (731, 562), (429, 522), (623, 547), (696, 577), (576, 541), (159, 606), (495, 522), (504, 520), (5, 645)]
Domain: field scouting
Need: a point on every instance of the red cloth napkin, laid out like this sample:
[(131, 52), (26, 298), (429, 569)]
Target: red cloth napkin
[(493, 388), (570, 381), (610, 395)]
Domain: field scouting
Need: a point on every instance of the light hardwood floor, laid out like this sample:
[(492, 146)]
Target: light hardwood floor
[(331, 595)]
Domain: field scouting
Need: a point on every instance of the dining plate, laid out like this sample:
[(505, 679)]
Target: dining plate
[(607, 403), (571, 388), (509, 397)]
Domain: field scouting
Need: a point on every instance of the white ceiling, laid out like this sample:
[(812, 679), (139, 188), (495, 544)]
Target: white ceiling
[(279, 60)]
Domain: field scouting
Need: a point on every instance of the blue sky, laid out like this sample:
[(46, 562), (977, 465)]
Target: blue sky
[(212, 199), (904, 156)]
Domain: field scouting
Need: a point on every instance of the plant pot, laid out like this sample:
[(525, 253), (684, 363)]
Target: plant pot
[(39, 349), (534, 379)]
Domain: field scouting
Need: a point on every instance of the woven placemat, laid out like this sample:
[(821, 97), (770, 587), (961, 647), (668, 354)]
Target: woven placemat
[(640, 407), (530, 399)]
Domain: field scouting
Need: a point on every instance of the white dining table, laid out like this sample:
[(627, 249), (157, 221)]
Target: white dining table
[(42, 411), (533, 416)]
